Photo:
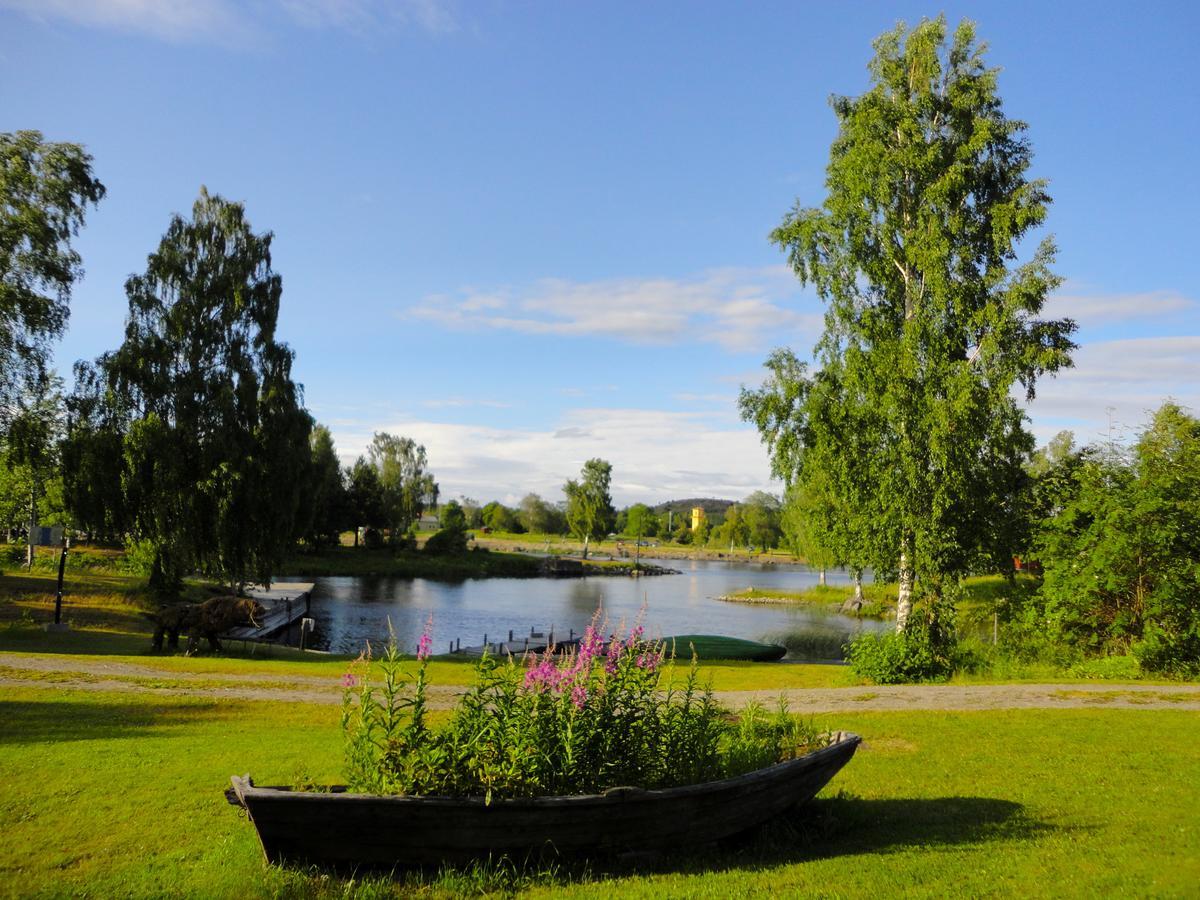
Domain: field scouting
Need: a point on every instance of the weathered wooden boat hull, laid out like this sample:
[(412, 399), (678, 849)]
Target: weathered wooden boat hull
[(341, 828)]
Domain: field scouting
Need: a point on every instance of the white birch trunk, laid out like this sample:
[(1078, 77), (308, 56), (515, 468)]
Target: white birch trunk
[(904, 601), (586, 538), (858, 593), (822, 581)]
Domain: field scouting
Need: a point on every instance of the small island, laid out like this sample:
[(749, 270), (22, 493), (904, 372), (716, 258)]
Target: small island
[(877, 602)]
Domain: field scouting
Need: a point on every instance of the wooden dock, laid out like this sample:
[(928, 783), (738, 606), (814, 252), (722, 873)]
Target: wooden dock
[(284, 605), (535, 642)]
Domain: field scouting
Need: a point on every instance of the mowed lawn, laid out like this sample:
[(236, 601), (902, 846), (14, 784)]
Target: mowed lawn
[(121, 794)]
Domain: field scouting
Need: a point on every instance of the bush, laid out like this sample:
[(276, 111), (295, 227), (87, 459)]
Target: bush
[(898, 657), (447, 542), (1177, 655), (138, 558), (579, 723), (1108, 668)]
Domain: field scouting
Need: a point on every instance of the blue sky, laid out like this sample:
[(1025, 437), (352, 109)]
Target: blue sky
[(527, 234)]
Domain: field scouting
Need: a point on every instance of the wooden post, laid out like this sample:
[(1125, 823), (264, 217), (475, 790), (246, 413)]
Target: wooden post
[(995, 628), (62, 565)]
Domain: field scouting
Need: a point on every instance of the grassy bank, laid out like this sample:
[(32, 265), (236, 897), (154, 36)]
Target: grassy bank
[(879, 599), (121, 795), (476, 563), (624, 548)]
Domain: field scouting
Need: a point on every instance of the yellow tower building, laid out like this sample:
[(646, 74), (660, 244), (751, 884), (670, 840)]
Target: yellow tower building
[(697, 517)]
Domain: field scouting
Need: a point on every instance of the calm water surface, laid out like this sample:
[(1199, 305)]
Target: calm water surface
[(350, 611)]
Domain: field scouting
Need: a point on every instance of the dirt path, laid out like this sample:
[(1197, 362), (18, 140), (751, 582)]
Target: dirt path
[(56, 672)]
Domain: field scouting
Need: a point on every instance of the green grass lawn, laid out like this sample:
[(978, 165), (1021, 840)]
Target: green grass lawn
[(110, 795)]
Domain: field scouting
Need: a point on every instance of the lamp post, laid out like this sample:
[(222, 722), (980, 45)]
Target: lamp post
[(58, 596)]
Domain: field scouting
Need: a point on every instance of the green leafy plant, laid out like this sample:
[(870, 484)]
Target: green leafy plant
[(609, 713), (898, 657)]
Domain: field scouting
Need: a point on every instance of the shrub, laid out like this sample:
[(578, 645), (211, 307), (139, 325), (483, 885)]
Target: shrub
[(578, 723), (898, 657), (1108, 668), (1177, 655), (447, 542)]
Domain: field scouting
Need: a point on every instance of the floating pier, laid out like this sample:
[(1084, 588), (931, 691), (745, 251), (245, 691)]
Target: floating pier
[(285, 604), (518, 645)]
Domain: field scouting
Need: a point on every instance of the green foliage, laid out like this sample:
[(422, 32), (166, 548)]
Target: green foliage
[(898, 657), (1120, 552), (499, 517), (364, 497), (451, 539), (539, 517), (583, 723), (1108, 668), (446, 542), (93, 457), (640, 522), (214, 437), (907, 432), (45, 190), (589, 506), (376, 559), (733, 531), (324, 505), (451, 516), (406, 487)]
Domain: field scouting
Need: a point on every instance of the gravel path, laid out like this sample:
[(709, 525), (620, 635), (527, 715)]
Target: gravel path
[(57, 672)]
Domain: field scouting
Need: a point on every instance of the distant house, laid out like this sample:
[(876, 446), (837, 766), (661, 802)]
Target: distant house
[(698, 517)]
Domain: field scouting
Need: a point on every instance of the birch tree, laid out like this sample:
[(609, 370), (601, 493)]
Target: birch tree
[(213, 432), (407, 487), (931, 318), (45, 190), (589, 505)]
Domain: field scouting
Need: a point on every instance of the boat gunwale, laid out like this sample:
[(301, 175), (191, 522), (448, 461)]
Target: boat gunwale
[(843, 741)]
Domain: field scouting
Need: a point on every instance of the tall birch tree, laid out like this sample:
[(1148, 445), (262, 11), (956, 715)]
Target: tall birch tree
[(589, 505), (931, 319), (45, 190), (212, 429)]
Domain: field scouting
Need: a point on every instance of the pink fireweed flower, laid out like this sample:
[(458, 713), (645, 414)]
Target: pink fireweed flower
[(636, 634), (648, 661), (425, 644), (349, 680), (614, 654), (579, 696), (544, 673), (591, 644)]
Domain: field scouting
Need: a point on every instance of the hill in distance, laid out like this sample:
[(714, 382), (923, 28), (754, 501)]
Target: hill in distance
[(710, 505)]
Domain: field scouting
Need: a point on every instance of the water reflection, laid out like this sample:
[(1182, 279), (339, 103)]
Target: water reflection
[(351, 611)]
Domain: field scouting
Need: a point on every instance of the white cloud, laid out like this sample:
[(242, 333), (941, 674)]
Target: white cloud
[(1123, 380), (656, 455), (364, 16), (232, 23), (172, 20), (735, 308), (1093, 309)]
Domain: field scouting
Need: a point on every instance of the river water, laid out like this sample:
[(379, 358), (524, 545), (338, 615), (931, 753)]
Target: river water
[(352, 610)]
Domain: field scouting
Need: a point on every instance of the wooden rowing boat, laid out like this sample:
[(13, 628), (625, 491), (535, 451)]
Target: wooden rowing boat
[(340, 828)]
